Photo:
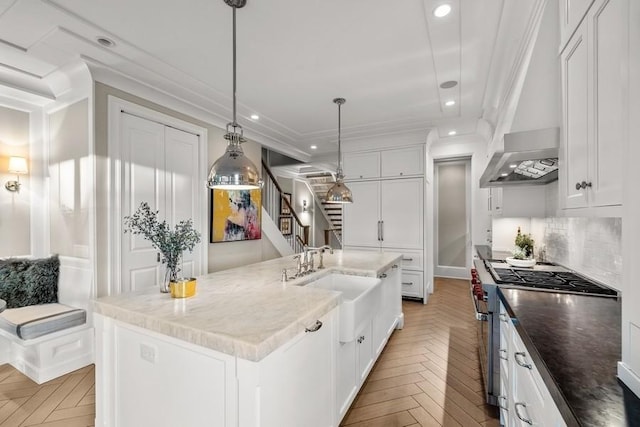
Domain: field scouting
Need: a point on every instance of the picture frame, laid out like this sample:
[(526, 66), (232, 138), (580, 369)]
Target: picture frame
[(285, 225), (235, 215), (284, 208)]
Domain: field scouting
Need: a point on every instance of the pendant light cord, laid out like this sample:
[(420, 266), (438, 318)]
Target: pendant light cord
[(339, 151), (234, 123)]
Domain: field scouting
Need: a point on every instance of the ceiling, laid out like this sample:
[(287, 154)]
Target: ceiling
[(386, 57)]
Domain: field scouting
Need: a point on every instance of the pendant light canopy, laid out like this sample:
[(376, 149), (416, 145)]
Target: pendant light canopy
[(234, 171), (339, 193)]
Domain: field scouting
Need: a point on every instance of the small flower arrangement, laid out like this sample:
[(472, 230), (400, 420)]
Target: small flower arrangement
[(524, 246), (170, 243)]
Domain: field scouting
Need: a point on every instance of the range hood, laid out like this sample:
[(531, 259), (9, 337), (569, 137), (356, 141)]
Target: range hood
[(529, 158)]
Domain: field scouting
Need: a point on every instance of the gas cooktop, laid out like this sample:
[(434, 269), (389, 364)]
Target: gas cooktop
[(547, 277)]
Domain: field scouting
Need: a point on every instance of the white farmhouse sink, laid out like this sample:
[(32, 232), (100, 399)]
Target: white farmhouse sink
[(360, 300)]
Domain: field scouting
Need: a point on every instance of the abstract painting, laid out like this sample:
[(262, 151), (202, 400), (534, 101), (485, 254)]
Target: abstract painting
[(235, 215)]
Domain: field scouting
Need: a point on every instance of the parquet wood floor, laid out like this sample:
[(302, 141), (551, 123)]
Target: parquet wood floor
[(428, 375)]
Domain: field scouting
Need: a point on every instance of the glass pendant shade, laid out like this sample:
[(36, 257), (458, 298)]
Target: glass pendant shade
[(339, 193)]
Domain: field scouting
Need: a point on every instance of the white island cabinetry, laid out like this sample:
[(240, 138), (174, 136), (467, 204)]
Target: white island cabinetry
[(246, 350)]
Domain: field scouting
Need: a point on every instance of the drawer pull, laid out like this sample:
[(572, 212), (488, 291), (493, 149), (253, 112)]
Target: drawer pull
[(361, 339), (315, 327), (523, 419), (383, 276), (524, 364), (503, 317), (503, 405), (394, 266), (503, 352), (407, 259), (407, 283)]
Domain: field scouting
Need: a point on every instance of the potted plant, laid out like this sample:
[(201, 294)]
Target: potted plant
[(524, 243), (170, 243)]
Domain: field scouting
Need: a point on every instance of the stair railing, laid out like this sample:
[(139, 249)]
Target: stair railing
[(332, 239), (292, 229)]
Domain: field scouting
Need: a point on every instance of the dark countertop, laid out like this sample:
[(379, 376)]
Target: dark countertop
[(575, 342)]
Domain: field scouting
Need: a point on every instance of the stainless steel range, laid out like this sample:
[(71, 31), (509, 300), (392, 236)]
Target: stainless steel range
[(543, 277)]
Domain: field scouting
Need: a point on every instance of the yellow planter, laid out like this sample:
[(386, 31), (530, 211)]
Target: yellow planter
[(183, 288)]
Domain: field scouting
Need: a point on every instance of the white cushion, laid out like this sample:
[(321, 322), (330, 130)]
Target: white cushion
[(37, 320)]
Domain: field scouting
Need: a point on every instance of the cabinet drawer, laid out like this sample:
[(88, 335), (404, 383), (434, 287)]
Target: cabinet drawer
[(412, 260), (412, 284)]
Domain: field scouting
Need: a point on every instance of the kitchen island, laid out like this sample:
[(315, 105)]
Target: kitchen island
[(575, 343), (237, 354)]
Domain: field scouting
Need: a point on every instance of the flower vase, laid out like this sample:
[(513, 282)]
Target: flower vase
[(164, 284)]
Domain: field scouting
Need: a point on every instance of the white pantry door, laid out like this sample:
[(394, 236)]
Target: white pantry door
[(160, 167)]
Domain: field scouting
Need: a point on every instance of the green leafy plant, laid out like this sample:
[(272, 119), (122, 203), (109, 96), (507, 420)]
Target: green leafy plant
[(525, 243), (170, 243)]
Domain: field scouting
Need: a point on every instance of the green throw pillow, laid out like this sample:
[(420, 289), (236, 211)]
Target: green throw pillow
[(26, 282)]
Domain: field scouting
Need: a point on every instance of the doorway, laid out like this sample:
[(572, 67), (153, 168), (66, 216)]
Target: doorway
[(452, 217)]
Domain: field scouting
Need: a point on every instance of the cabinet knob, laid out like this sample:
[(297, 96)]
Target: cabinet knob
[(315, 327), (361, 339), (583, 185)]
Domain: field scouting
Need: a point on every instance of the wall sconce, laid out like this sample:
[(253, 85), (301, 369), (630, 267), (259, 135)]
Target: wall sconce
[(305, 208), (17, 165)]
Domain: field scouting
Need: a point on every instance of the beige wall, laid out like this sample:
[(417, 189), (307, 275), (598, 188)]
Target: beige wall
[(221, 255), (70, 181), (15, 213)]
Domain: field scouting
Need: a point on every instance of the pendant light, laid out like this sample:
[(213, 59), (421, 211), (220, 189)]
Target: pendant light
[(339, 193), (234, 171)]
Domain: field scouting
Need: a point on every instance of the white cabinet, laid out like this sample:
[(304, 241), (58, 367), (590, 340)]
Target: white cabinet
[(594, 82), (395, 163), (412, 283), (389, 215), (178, 383), (356, 358), (361, 165), (524, 398), (571, 13), (294, 383)]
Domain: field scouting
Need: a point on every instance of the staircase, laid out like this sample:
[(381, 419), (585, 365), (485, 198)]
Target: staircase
[(320, 184)]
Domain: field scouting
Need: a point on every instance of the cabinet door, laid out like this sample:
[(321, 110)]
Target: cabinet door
[(607, 31), (402, 162), (401, 213), (571, 13), (361, 218), (575, 105), (364, 345), (297, 380), (347, 381), (361, 165), (390, 308)]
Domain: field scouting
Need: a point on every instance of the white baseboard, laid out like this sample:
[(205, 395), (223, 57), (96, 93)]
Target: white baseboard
[(629, 378)]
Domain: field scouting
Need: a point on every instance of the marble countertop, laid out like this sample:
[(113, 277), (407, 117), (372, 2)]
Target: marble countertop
[(575, 341), (248, 311)]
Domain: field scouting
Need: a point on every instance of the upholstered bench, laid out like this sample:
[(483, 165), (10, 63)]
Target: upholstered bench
[(44, 331), (35, 321)]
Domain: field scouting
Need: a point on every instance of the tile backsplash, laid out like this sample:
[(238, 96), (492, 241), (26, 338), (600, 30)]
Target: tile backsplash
[(590, 246)]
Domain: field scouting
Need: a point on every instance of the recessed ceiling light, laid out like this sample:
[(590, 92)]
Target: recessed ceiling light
[(314, 147), (106, 42), (442, 10), (452, 132), (255, 117), (513, 166), (450, 103), (448, 84)]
